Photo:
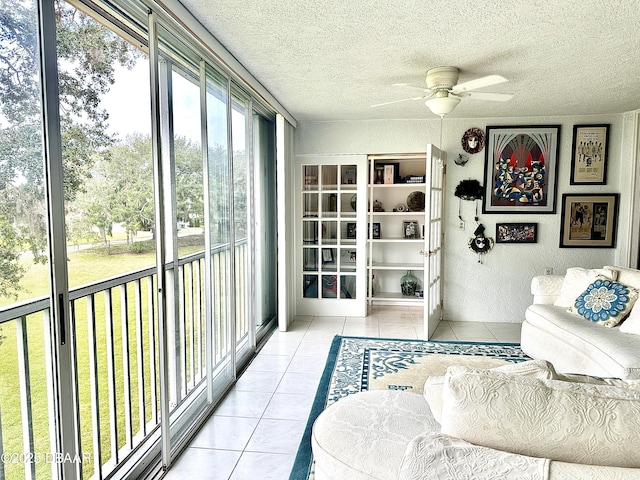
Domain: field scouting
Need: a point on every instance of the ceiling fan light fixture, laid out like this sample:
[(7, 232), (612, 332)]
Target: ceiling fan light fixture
[(442, 105)]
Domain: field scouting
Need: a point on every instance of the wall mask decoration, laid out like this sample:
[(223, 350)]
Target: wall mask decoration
[(480, 244), (473, 140)]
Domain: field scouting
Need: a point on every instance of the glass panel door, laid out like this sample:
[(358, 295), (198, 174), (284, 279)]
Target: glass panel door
[(264, 197), (434, 233), (109, 215), (27, 347), (332, 235), (242, 231), (219, 249)]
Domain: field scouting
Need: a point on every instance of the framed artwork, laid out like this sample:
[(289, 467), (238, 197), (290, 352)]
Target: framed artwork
[(516, 233), (348, 256), (349, 175), (351, 229), (521, 167), (376, 230), (589, 220), (589, 154), (389, 175), (327, 256), (378, 174), (410, 229)]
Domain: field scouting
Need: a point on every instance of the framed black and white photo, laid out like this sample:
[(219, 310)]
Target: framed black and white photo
[(516, 233), (589, 220), (520, 171), (410, 229), (589, 154)]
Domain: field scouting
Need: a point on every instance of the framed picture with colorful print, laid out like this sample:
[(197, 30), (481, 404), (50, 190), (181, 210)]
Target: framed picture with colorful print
[(589, 154), (589, 220), (520, 171), (516, 232)]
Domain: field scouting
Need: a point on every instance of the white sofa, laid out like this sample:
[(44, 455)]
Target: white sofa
[(573, 344), (521, 421)]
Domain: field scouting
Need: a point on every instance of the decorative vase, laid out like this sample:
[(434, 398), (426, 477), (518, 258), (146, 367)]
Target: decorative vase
[(409, 284)]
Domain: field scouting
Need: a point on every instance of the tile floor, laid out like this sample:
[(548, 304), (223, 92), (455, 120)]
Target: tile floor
[(255, 431)]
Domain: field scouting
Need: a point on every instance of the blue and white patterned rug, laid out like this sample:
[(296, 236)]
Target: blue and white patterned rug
[(356, 364)]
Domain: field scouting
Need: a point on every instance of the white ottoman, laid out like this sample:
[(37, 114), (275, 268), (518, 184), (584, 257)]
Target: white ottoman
[(365, 435)]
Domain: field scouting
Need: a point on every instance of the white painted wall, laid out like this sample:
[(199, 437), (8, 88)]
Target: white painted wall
[(498, 289)]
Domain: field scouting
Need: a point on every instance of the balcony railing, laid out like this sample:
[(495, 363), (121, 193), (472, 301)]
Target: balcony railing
[(116, 353)]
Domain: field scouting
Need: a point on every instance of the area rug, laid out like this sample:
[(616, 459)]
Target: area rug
[(356, 364)]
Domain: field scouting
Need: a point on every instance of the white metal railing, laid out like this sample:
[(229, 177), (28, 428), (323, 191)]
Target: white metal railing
[(116, 354)]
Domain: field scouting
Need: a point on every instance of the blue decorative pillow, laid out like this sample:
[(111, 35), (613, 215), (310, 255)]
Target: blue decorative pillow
[(605, 302)]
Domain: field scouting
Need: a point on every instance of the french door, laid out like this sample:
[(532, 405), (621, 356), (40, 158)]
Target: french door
[(433, 237)]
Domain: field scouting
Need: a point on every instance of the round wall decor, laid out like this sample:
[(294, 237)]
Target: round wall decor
[(473, 140)]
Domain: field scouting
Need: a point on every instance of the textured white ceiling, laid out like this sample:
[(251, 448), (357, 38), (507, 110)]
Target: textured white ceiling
[(333, 59)]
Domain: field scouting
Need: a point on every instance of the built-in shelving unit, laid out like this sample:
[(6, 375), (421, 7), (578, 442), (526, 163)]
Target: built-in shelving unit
[(396, 219)]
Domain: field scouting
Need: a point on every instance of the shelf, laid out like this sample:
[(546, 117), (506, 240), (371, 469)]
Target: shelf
[(396, 185), (396, 266), (396, 296), (396, 240), (389, 257), (406, 214)]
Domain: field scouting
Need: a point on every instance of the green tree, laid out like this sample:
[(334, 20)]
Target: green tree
[(189, 201), (87, 55), (121, 190)]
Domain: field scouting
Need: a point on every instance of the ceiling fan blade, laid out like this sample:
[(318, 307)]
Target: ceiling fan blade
[(495, 97), (478, 83), (412, 85), (398, 101)]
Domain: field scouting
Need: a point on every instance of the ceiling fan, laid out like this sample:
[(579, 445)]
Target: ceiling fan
[(443, 93)]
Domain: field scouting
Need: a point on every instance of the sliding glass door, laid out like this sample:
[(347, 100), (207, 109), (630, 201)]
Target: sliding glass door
[(27, 327), (265, 232)]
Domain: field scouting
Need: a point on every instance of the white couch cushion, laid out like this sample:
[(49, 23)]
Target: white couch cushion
[(363, 436), (632, 324), (605, 302), (576, 280), (563, 421), (574, 345)]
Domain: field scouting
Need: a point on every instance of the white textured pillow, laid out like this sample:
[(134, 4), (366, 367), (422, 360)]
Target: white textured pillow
[(628, 276), (632, 323), (563, 421), (531, 368), (433, 455), (576, 281)]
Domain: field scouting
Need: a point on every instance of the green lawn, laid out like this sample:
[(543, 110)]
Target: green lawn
[(84, 267)]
